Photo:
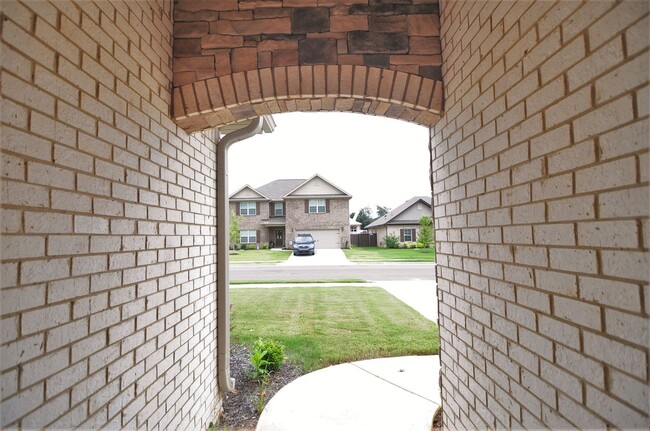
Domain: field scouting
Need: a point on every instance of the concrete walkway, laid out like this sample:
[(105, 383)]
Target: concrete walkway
[(417, 294), (323, 256), (379, 394)]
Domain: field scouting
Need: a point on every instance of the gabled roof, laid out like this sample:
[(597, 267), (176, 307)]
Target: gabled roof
[(340, 192), (280, 189), (275, 190), (252, 190), (390, 217)]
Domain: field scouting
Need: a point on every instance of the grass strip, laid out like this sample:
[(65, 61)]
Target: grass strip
[(259, 256), (337, 281), (380, 254)]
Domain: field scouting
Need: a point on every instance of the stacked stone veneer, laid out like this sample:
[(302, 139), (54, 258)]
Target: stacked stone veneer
[(239, 59), (108, 225), (541, 203)]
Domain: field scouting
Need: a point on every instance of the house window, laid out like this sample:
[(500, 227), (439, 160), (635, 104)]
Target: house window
[(409, 235), (247, 208), (279, 209), (248, 236), (317, 206)]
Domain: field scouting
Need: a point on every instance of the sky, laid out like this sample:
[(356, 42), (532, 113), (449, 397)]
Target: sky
[(379, 161)]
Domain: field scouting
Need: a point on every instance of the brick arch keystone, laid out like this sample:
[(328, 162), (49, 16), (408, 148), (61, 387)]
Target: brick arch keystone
[(349, 88)]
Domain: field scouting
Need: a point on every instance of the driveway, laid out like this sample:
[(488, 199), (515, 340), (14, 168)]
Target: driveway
[(323, 257)]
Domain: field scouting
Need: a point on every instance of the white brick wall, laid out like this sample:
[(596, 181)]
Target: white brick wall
[(101, 192), (550, 100)]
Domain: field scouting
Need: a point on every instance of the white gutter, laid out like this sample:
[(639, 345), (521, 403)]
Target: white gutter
[(225, 382)]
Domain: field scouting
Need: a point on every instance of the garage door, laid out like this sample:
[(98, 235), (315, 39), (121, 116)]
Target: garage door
[(326, 238)]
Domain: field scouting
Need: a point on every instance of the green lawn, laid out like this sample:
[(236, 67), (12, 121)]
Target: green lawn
[(321, 326), (380, 254), (259, 256)]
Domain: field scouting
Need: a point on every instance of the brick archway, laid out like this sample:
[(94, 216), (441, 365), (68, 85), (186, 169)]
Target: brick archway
[(238, 59), (369, 90)]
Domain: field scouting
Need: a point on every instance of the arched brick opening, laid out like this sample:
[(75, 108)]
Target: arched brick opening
[(369, 90), (238, 59)]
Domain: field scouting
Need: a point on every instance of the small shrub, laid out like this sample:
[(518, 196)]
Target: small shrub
[(266, 356), (251, 246), (392, 241), (265, 246), (420, 245)]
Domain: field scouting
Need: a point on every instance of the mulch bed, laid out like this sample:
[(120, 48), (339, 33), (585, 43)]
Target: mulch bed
[(240, 406)]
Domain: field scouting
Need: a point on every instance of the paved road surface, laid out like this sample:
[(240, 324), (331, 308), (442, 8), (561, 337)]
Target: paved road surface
[(369, 272)]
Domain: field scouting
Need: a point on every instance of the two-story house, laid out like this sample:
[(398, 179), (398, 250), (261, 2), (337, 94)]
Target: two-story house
[(276, 212)]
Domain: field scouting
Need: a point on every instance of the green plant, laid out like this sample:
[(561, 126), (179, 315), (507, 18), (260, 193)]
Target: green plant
[(265, 246), (425, 236), (266, 356), (260, 364), (212, 427), (251, 247), (392, 241), (234, 230), (260, 399)]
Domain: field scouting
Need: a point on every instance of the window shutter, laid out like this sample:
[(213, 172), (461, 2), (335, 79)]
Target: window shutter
[(306, 205), (401, 235), (257, 208), (271, 209), (327, 205), (257, 236), (237, 208)]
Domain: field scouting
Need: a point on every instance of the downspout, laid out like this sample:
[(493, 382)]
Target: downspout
[(226, 383)]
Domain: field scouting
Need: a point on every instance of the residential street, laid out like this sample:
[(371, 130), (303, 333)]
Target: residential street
[(369, 272)]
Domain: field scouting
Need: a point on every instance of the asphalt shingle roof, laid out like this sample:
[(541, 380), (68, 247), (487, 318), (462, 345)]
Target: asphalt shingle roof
[(399, 210), (275, 190)]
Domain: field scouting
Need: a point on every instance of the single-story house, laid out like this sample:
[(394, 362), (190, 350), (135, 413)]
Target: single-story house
[(276, 212), (403, 221)]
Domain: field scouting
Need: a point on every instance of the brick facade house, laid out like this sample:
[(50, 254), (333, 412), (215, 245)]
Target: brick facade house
[(274, 213)]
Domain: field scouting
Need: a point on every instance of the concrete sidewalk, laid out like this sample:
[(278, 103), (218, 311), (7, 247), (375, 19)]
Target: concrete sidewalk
[(379, 394)]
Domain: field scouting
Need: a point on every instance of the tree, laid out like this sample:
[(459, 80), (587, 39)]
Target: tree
[(365, 217), (352, 215), (234, 229), (382, 211), (425, 236)]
